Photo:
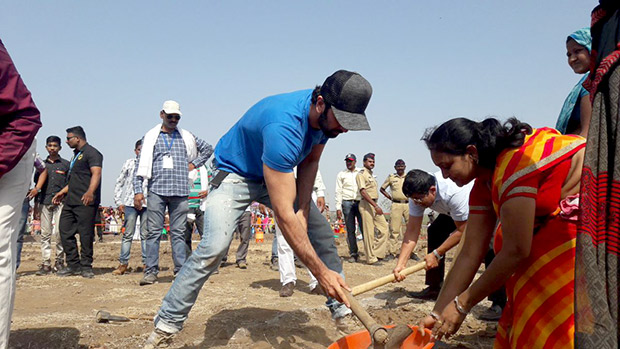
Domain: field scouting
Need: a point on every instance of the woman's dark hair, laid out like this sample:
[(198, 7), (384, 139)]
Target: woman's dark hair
[(417, 182), (490, 137), (138, 143)]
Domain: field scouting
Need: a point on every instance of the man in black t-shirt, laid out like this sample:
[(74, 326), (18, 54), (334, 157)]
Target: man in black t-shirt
[(56, 179), (83, 193)]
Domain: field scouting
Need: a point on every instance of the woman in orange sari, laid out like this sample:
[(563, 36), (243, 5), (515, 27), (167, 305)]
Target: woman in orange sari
[(527, 180)]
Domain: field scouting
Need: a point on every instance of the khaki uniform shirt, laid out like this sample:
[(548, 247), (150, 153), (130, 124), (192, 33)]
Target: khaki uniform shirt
[(365, 180), (395, 182)]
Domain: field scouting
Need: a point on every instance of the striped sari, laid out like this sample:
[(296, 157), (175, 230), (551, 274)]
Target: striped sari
[(540, 308)]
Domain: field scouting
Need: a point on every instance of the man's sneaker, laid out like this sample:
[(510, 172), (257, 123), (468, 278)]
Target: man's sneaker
[(429, 293), (68, 271), (44, 270), (158, 339), (242, 265), (274, 264), (415, 257), (388, 258), (494, 313), (88, 273), (353, 259), (101, 239), (122, 269), (287, 290), (148, 279)]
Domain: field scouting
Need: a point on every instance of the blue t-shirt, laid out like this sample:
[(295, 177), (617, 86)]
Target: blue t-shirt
[(275, 131)]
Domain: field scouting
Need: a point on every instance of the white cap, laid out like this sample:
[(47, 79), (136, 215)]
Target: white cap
[(172, 107)]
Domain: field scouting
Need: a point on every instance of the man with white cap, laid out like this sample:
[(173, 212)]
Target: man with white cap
[(168, 154), (254, 161)]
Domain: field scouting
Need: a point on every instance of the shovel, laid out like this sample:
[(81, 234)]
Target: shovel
[(381, 337), (105, 317)]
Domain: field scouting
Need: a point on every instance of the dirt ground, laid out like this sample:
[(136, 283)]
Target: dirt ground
[(235, 309)]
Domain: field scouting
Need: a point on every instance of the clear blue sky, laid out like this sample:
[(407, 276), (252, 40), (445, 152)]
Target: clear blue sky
[(108, 66)]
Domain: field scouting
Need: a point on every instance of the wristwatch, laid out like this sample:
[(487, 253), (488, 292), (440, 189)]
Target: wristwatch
[(439, 257)]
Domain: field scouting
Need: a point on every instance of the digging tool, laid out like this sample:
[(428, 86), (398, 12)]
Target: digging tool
[(105, 317), (381, 337), (371, 285)]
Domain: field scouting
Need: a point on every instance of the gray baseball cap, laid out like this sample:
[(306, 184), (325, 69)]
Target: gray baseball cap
[(348, 94)]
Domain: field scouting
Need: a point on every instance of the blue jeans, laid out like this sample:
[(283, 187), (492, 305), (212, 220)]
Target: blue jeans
[(131, 216), (177, 209), (224, 207)]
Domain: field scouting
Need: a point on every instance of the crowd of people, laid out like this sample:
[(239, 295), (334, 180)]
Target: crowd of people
[(537, 205)]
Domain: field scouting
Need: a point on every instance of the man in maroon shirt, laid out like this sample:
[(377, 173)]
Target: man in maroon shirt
[(19, 123)]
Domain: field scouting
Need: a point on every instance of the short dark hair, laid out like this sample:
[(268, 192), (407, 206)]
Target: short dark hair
[(418, 182), (315, 97), (52, 139), (138, 143), (77, 131)]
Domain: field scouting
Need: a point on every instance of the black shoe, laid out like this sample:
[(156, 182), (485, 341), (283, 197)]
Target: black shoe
[(353, 259), (494, 313), (88, 273), (274, 264), (388, 258), (68, 271), (427, 294), (415, 257), (58, 266), (44, 270)]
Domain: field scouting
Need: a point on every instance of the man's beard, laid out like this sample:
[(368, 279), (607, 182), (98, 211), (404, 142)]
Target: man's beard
[(324, 127)]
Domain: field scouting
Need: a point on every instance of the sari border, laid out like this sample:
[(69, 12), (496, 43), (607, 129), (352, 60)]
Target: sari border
[(564, 151)]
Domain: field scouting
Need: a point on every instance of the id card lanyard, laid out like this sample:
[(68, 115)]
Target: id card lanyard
[(73, 160)]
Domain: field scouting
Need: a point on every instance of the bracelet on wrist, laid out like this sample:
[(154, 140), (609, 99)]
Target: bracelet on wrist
[(459, 307), (434, 315), (439, 257)]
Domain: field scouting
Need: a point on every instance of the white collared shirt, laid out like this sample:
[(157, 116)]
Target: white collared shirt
[(450, 199), (346, 187)]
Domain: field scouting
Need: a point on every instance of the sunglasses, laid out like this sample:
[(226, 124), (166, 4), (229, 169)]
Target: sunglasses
[(171, 116), (70, 138)]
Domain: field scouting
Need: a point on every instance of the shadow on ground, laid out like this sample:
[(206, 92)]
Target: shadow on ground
[(250, 325), (51, 337)]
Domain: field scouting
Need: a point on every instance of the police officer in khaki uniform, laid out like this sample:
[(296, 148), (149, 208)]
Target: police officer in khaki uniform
[(375, 244), (400, 206)]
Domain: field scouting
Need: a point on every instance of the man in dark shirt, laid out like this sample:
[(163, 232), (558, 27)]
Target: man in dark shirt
[(57, 171), (83, 196)]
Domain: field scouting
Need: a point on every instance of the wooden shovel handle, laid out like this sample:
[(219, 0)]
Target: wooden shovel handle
[(371, 285)]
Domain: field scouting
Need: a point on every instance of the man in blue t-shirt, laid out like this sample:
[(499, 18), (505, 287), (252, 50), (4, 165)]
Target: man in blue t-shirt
[(254, 161)]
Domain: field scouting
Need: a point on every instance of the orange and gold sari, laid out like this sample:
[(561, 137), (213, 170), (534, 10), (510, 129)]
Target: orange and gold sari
[(540, 308)]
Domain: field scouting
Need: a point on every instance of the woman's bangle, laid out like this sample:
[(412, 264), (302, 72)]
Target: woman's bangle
[(459, 308), (434, 315)]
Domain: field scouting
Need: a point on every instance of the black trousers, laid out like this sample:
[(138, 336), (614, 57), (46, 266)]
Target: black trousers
[(438, 232), (498, 297), (78, 219), (189, 227), (351, 212)]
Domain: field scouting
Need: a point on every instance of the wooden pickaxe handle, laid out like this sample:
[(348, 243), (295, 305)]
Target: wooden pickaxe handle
[(371, 285), (377, 332)]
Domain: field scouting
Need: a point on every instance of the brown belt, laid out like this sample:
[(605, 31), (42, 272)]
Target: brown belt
[(400, 201)]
